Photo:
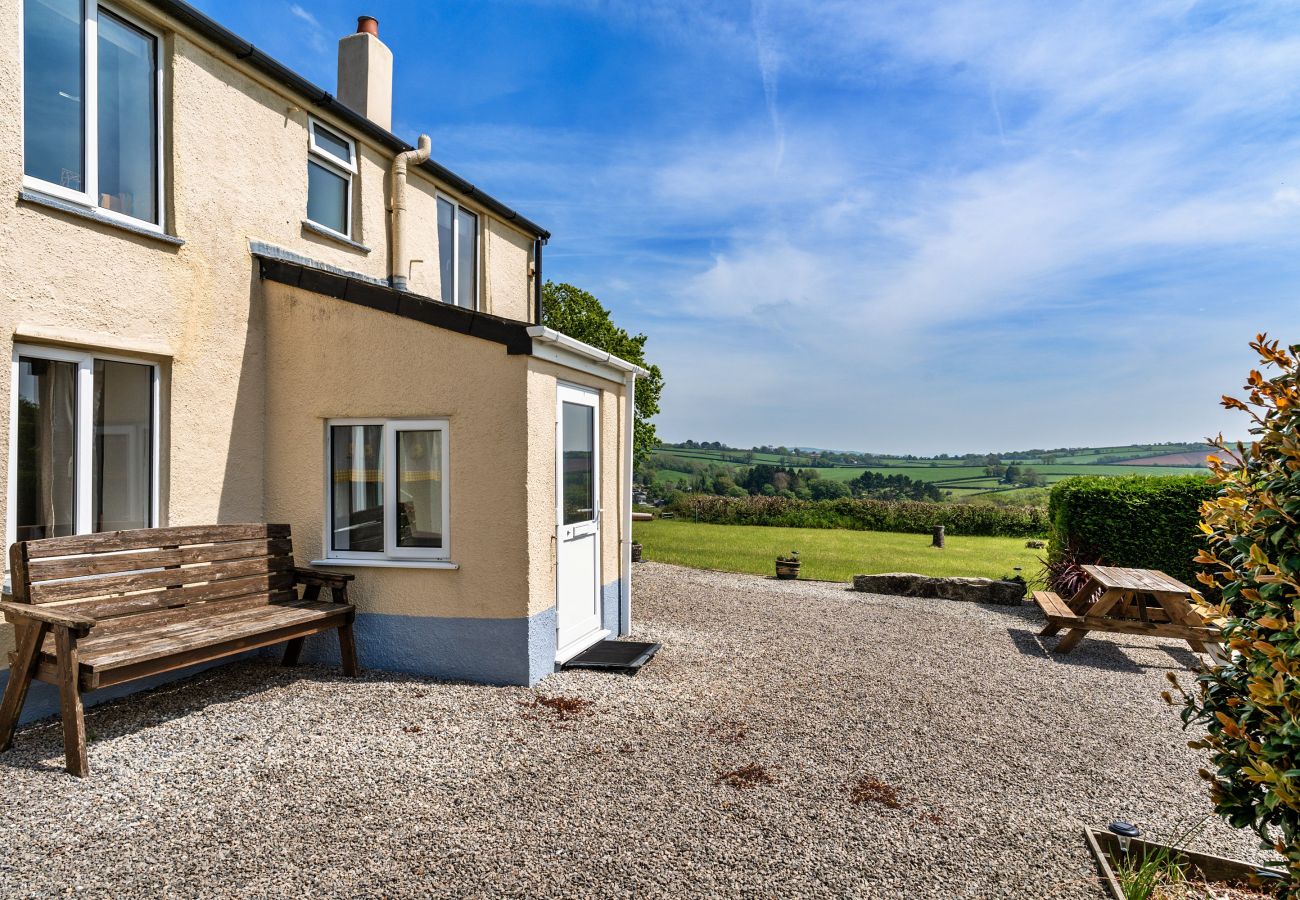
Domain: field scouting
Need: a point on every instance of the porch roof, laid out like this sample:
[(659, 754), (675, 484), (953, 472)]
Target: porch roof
[(519, 338)]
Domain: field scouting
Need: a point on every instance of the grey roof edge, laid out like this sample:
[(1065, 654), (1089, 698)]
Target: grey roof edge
[(244, 51), (294, 270)]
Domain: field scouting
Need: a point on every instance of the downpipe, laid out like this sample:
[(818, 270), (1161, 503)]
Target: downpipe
[(399, 260)]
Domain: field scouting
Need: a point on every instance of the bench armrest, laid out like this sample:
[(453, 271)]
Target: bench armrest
[(76, 622), (324, 579)]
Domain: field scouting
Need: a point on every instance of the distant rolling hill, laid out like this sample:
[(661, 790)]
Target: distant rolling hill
[(963, 477)]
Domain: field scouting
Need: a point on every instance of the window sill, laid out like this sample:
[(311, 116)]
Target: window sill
[(91, 215), (331, 234), (387, 563)]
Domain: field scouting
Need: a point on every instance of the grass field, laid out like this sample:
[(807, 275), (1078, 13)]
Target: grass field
[(965, 480), (830, 554)]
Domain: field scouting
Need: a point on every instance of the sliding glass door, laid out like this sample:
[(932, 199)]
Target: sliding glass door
[(84, 444)]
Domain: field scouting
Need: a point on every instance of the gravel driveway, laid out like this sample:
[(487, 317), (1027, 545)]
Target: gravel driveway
[(971, 751)]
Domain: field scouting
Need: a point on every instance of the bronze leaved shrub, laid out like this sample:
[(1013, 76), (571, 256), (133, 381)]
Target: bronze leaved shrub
[(1250, 706)]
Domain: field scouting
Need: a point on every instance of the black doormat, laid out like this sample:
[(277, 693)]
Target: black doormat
[(615, 656)]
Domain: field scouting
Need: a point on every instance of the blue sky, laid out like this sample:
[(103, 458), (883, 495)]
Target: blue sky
[(912, 227)]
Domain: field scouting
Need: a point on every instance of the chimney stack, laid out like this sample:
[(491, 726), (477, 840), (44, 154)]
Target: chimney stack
[(366, 73)]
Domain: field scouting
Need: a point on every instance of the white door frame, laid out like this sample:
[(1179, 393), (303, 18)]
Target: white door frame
[(573, 393)]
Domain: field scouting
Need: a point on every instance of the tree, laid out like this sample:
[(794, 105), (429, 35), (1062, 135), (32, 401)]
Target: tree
[(573, 311), (1249, 705), (825, 489)]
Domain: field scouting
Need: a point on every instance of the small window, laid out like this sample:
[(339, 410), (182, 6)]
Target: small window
[(84, 444), (457, 254), (92, 91), (331, 163), (388, 489)]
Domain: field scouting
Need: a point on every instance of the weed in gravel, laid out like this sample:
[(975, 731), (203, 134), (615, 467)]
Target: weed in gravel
[(869, 789), (746, 776), (412, 729), (562, 707), (728, 731)]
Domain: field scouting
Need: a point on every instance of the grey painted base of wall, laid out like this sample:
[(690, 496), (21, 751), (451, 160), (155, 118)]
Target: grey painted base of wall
[(490, 651)]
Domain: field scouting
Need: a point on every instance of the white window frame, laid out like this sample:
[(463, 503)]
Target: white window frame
[(84, 478), (391, 552), (88, 197), (457, 206), (328, 160)]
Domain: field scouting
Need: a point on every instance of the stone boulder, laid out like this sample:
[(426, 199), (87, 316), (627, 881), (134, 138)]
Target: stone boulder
[(970, 590)]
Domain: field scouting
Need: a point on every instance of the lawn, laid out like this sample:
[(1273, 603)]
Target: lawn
[(830, 554)]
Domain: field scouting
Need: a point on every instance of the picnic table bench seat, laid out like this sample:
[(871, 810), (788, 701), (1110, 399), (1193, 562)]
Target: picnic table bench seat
[(1058, 612), (96, 610)]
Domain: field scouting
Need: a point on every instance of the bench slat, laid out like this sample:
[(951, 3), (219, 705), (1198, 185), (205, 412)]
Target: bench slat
[(107, 585), (152, 539), (85, 565), (216, 630), (109, 608), (124, 625), (109, 677), (126, 631), (1054, 607), (217, 616)]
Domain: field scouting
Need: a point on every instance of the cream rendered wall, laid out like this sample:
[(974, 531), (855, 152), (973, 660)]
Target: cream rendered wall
[(543, 377), (338, 360), (235, 163)]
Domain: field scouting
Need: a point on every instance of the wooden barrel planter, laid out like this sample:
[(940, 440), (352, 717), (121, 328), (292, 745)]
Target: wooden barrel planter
[(787, 569)]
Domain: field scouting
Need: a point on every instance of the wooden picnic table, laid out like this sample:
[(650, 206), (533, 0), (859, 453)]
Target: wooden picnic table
[(1128, 601)]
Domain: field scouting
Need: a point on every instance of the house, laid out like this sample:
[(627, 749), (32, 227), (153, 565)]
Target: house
[(231, 296)]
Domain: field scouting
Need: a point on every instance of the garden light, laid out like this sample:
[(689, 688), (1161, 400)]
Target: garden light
[(1125, 831)]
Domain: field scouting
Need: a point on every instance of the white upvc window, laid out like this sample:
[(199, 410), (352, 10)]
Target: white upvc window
[(331, 163), (387, 496), (92, 109), (83, 443), (458, 239)]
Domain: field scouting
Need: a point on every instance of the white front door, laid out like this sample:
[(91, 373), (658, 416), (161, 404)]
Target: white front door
[(577, 517)]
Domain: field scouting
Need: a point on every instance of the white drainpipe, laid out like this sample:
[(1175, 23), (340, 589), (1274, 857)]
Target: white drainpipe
[(399, 260), (625, 582)]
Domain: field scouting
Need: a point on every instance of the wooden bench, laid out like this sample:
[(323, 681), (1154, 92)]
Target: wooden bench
[(1058, 612), (94, 610)]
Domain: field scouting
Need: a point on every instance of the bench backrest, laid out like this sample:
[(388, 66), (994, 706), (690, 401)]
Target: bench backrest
[(123, 573)]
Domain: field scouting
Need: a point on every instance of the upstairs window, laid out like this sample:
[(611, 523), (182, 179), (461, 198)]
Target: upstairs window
[(92, 91), (331, 163), (84, 444), (457, 254)]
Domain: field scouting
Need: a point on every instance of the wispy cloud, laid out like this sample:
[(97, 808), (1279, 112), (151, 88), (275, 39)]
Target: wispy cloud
[(314, 29), (769, 67)]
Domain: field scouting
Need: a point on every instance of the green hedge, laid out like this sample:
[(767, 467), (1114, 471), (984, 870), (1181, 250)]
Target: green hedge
[(1136, 521), (906, 516)]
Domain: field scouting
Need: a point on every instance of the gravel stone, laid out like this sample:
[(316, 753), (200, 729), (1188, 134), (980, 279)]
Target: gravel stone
[(257, 781)]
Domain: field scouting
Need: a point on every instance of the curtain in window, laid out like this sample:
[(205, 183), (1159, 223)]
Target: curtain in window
[(46, 452)]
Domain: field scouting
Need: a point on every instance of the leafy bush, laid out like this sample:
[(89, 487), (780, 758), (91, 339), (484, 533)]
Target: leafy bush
[(1136, 521), (910, 517), (1250, 707)]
